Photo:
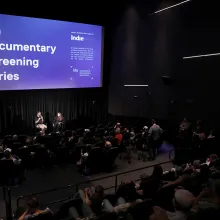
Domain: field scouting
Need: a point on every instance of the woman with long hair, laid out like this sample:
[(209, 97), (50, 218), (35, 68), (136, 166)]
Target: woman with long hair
[(58, 122)]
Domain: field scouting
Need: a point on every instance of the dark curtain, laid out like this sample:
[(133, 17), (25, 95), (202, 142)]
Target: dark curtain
[(80, 108)]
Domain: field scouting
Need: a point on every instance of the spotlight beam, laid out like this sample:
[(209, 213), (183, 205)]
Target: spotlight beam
[(199, 56), (172, 6)]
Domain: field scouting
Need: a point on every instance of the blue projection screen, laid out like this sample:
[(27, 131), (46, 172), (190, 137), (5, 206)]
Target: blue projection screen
[(48, 54)]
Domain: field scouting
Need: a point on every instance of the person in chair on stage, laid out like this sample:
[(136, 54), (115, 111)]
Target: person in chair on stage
[(39, 122), (58, 122)]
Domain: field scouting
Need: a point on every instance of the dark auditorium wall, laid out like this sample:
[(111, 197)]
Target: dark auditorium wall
[(148, 47)]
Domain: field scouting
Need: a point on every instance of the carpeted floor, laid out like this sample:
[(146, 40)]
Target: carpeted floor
[(45, 179)]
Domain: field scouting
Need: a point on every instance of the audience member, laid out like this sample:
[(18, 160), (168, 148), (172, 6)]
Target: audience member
[(82, 162), (212, 158), (93, 197), (118, 136), (150, 184), (184, 125), (29, 141), (183, 202), (33, 208), (199, 133), (206, 198), (123, 203), (8, 156), (154, 134), (212, 212), (211, 134), (159, 214), (142, 185), (108, 145), (118, 125)]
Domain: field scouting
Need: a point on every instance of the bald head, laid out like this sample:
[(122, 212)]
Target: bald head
[(108, 144), (184, 198)]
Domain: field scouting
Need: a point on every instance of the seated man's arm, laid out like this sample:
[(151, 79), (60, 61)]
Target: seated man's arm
[(16, 161), (150, 132), (121, 208), (87, 201), (23, 216)]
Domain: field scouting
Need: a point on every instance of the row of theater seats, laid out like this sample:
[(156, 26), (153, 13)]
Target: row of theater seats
[(141, 211), (36, 155), (56, 148), (156, 193), (185, 152)]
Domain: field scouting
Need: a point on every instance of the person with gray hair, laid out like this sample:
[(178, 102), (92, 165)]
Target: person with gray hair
[(183, 202)]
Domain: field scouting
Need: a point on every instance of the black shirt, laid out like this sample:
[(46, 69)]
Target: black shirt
[(149, 187), (58, 120), (96, 203)]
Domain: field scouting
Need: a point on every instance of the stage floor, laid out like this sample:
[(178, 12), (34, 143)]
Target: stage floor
[(38, 180)]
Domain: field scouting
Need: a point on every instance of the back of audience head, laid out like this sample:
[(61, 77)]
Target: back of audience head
[(204, 172), (108, 144), (196, 164), (130, 192), (157, 171), (183, 200), (118, 131), (99, 190), (126, 129), (153, 121), (145, 128), (117, 125), (144, 177), (7, 154), (15, 136), (213, 157), (33, 202), (29, 141)]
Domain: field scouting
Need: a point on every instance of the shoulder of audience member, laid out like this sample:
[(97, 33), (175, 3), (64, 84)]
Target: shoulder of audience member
[(46, 210), (178, 181)]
